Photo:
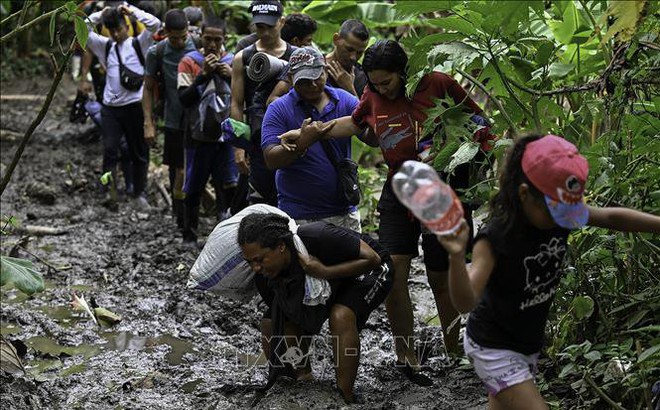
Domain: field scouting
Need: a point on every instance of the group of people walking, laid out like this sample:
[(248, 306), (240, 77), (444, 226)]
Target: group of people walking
[(301, 123)]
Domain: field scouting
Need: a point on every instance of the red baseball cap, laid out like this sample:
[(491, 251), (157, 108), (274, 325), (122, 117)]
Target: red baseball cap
[(557, 169)]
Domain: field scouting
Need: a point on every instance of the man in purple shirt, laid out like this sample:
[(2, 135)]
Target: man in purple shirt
[(307, 185)]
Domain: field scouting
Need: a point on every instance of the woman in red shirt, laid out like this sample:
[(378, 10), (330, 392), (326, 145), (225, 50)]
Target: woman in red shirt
[(394, 122)]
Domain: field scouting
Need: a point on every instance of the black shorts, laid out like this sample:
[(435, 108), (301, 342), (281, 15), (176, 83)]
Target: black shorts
[(173, 149), (362, 294), (399, 232)]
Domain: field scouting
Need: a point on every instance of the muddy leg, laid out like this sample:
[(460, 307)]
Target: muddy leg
[(446, 311), (346, 346), (399, 311), (293, 338)]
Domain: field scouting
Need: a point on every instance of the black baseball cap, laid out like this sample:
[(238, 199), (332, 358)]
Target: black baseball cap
[(266, 12)]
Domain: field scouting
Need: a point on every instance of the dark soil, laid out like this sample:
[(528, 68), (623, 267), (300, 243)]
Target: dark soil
[(175, 348)]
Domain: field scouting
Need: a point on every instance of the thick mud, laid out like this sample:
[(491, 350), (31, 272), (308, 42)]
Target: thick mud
[(175, 348)]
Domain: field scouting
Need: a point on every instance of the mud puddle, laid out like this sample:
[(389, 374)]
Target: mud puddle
[(174, 348)]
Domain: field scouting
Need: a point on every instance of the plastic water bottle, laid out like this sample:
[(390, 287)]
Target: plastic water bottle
[(433, 202)]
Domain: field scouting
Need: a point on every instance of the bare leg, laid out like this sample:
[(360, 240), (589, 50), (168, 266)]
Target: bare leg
[(446, 311), (523, 396), (399, 311), (346, 345)]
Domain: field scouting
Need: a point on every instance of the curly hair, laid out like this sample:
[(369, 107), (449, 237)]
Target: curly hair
[(505, 206), (297, 25), (268, 230)]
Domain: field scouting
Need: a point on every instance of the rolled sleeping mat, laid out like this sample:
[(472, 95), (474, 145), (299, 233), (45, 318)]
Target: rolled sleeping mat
[(264, 67)]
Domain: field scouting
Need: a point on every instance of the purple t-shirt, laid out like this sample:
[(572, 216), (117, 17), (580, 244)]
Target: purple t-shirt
[(308, 188)]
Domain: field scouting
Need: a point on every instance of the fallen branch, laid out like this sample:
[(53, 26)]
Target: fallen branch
[(18, 97), (164, 193), (37, 230), (602, 394), (35, 123), (45, 262)]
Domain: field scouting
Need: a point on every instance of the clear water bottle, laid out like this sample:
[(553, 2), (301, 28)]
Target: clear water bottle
[(433, 202)]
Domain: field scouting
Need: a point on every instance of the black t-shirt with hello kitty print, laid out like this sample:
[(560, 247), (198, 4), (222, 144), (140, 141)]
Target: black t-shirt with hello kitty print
[(514, 307)]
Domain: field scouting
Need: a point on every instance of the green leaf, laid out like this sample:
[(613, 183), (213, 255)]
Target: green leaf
[(106, 178), (71, 8), (593, 355), (433, 39), (21, 273), (650, 352), (464, 154), (454, 23), (460, 54), (543, 53), (417, 7), (568, 370), (564, 30), (81, 31), (559, 70), (626, 14), (583, 307), (51, 28)]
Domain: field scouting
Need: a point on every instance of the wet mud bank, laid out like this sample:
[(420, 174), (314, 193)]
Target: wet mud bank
[(175, 348)]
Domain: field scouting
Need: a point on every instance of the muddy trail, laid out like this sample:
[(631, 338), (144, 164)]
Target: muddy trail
[(175, 348)]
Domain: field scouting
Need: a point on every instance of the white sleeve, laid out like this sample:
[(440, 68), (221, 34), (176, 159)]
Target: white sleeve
[(96, 42)]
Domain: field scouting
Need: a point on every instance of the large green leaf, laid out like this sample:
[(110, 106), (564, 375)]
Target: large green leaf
[(648, 353), (81, 31), (417, 7), (583, 307), (563, 30), (21, 273), (454, 23), (463, 155), (458, 53)]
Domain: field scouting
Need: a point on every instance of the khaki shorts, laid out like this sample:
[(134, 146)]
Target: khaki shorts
[(349, 220)]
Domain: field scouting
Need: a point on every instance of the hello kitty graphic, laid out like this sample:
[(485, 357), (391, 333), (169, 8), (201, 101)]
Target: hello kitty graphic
[(544, 268)]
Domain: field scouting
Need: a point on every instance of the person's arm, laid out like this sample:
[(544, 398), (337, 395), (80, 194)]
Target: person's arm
[(147, 108), (237, 107), (367, 261), (85, 85), (623, 219), (151, 25), (343, 127), (278, 156), (282, 87), (467, 285), (96, 42)]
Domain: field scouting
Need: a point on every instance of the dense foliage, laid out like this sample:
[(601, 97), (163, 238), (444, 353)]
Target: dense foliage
[(585, 69)]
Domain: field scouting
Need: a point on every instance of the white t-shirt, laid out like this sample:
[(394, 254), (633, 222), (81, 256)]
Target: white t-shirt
[(114, 94)]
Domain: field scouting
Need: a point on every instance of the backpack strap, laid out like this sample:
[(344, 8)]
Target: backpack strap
[(196, 56), (138, 50), (108, 46)]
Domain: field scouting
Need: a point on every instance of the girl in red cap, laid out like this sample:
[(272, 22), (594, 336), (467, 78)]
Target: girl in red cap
[(517, 263)]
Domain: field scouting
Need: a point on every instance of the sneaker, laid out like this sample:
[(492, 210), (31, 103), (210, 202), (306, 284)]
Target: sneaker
[(141, 204)]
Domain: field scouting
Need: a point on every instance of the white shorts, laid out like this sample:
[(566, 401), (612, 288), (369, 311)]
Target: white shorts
[(499, 369)]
